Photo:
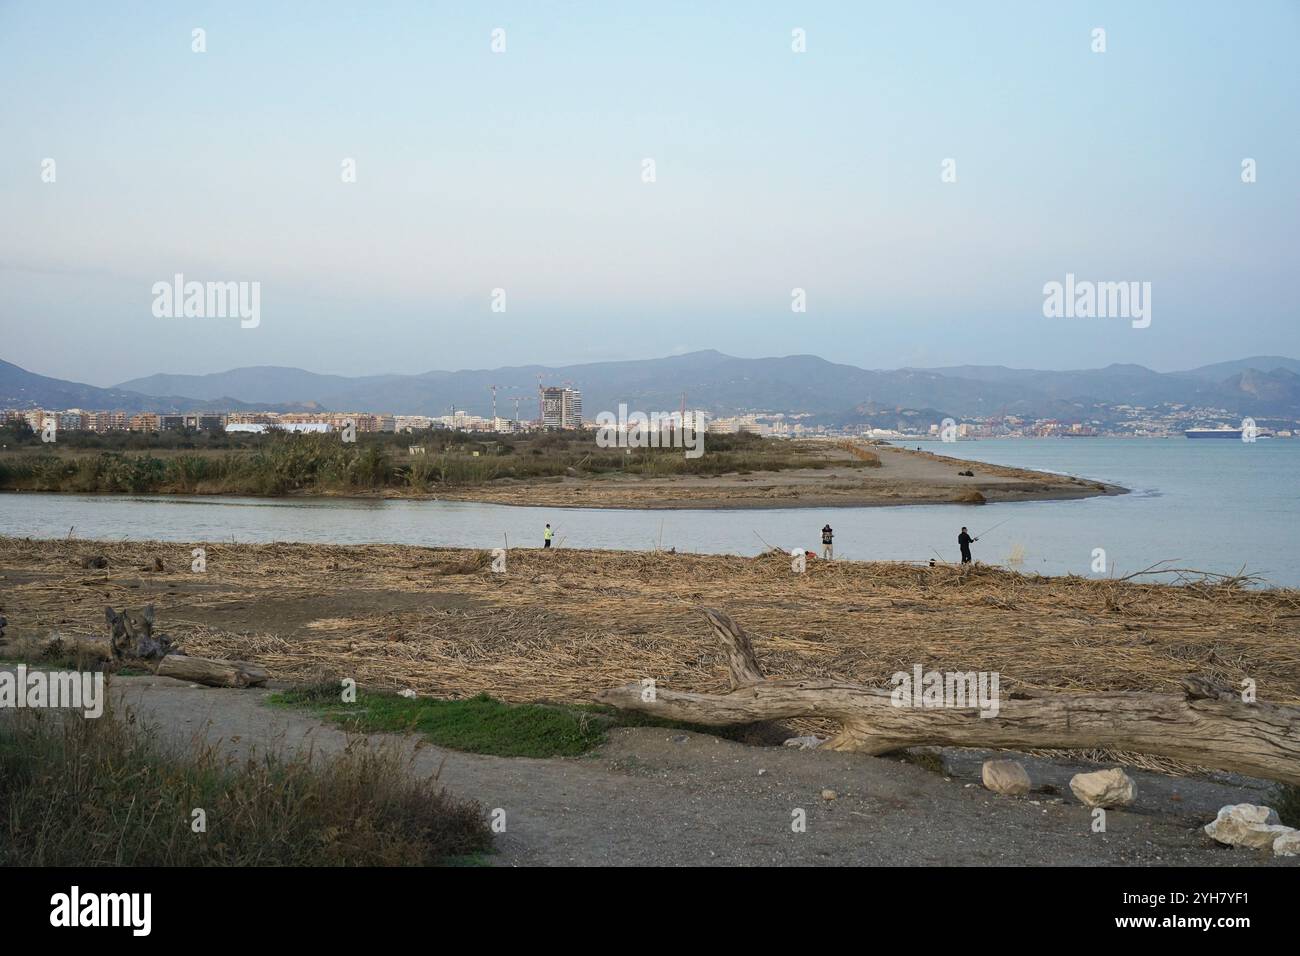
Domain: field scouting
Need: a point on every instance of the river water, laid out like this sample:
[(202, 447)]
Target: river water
[(1212, 505)]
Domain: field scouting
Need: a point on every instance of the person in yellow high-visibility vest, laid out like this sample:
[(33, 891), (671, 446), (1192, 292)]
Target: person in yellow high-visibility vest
[(546, 536)]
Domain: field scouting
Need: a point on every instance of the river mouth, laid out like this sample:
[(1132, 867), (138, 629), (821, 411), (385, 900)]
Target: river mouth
[(1204, 505)]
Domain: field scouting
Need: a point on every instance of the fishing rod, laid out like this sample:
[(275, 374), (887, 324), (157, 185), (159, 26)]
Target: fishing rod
[(994, 528)]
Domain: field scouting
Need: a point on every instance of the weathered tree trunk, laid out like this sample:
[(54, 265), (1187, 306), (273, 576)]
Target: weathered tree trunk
[(75, 645), (1205, 727), (214, 673)]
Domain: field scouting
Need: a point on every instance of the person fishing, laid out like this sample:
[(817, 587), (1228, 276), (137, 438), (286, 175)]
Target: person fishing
[(548, 534), (964, 541), (828, 549)]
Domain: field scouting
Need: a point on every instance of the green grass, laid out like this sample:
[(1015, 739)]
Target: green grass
[(478, 724), (482, 724), (104, 792)]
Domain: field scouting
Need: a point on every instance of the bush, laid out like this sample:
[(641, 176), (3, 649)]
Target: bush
[(79, 792), (280, 464)]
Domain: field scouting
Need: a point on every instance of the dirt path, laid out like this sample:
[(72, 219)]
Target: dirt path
[(659, 797)]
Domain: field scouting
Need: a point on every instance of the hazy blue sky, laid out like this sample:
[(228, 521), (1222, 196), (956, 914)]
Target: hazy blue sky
[(522, 170)]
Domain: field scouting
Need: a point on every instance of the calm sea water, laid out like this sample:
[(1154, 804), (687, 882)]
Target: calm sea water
[(1211, 505)]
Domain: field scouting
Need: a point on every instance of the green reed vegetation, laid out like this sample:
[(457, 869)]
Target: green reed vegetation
[(282, 464)]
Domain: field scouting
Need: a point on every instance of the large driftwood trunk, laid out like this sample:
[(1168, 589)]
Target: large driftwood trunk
[(77, 646), (1206, 726), (214, 673)]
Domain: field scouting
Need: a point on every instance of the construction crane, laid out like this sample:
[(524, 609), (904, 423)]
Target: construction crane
[(506, 388)]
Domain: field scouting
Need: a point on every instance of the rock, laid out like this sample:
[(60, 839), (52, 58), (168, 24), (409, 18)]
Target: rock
[(829, 794), (811, 742), (408, 694), (1245, 824), (1104, 788), (1287, 844), (1006, 776)]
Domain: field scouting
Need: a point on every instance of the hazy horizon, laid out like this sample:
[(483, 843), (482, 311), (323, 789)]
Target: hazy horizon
[(658, 357), (483, 368), (522, 170)]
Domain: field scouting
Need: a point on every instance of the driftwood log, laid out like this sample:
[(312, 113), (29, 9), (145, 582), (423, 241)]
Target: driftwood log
[(1206, 726), (77, 646), (214, 673)]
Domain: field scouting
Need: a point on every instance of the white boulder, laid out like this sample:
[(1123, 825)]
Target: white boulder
[(1005, 776), (1245, 824), (1104, 788), (1287, 844)]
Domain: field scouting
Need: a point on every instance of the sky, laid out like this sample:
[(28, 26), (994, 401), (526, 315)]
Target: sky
[(524, 170)]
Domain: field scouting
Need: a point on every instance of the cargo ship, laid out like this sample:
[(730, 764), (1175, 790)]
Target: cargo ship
[(1224, 431)]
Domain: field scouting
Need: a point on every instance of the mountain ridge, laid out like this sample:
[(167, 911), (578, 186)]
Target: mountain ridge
[(723, 384)]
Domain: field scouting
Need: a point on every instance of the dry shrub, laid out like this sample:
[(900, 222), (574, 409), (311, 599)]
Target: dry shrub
[(100, 792)]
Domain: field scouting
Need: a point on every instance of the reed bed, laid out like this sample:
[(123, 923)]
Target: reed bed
[(560, 625)]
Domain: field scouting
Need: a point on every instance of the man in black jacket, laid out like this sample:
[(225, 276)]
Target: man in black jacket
[(828, 550), (963, 540)]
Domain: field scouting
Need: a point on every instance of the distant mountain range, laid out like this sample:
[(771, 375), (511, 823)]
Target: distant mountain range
[(20, 388), (1263, 386)]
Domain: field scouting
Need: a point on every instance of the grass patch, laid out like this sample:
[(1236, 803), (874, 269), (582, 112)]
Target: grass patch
[(479, 724), (79, 792), (485, 725)]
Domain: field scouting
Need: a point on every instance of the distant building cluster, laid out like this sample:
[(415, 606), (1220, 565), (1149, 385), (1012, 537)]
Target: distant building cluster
[(773, 425), (75, 419), (560, 408), (459, 420), (308, 422)]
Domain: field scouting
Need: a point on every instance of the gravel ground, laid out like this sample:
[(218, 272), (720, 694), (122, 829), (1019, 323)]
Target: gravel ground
[(660, 797)]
